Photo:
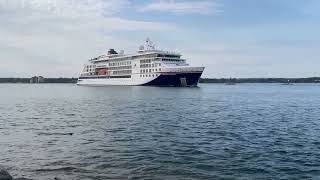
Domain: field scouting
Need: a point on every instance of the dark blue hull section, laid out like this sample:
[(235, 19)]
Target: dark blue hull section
[(177, 80)]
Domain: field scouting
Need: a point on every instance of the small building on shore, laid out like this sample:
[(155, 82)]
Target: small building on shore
[(37, 79)]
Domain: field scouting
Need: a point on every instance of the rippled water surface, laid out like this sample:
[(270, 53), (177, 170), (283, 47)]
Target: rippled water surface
[(246, 131)]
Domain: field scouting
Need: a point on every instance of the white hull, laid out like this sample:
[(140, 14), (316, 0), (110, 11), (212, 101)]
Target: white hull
[(133, 81)]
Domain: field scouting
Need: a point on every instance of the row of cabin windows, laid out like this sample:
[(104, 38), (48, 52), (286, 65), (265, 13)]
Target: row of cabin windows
[(123, 58), (145, 61), (122, 72), (173, 60), (144, 56), (89, 70), (119, 67), (150, 65), (149, 75), (169, 56), (136, 57), (149, 70), (91, 73), (124, 63)]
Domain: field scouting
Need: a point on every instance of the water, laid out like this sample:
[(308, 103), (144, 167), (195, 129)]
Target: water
[(246, 131)]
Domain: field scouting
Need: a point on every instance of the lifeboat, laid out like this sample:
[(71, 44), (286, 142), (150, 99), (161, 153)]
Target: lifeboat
[(101, 71)]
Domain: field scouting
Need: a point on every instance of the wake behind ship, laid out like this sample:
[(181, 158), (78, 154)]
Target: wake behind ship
[(148, 67)]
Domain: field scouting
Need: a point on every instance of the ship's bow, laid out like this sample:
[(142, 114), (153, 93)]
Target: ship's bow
[(178, 76)]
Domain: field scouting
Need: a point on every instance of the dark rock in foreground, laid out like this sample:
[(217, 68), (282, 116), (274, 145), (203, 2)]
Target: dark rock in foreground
[(4, 175)]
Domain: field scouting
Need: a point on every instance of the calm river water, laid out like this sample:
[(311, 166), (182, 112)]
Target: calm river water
[(246, 131)]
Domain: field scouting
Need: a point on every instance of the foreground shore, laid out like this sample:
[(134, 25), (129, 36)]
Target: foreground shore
[(5, 175)]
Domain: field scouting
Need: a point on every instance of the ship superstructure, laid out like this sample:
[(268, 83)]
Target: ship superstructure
[(147, 67)]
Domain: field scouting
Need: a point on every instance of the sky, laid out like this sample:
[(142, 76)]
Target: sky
[(231, 38)]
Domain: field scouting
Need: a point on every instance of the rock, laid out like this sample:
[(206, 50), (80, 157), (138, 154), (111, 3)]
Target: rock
[(4, 175)]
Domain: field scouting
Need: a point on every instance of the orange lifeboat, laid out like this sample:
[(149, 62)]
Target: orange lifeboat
[(101, 71)]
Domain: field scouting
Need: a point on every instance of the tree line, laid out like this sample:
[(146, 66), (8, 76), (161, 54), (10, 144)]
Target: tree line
[(46, 80), (261, 80)]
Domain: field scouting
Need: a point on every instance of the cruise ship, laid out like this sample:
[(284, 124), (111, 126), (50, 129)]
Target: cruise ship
[(147, 67)]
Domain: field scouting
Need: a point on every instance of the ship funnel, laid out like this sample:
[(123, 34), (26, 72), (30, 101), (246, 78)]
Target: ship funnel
[(112, 51)]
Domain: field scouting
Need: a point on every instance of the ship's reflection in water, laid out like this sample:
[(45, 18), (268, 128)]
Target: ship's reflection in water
[(248, 131)]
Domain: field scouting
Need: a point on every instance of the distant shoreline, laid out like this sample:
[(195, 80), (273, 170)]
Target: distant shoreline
[(261, 80), (45, 80), (202, 80)]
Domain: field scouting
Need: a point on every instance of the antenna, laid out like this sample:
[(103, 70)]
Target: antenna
[(149, 44)]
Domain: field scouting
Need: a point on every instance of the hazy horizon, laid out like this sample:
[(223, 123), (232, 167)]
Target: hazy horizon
[(241, 39)]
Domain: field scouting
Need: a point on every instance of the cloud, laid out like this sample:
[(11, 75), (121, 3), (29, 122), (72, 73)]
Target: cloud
[(55, 37), (183, 7), (70, 8), (96, 13)]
